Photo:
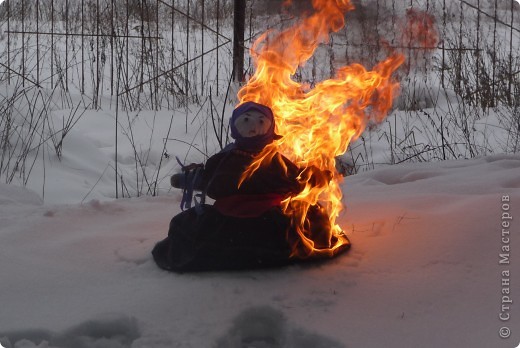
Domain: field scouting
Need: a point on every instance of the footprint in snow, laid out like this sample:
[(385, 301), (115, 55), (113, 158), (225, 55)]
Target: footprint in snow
[(111, 331), (266, 327)]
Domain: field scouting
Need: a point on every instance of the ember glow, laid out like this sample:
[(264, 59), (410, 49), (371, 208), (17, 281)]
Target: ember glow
[(318, 123)]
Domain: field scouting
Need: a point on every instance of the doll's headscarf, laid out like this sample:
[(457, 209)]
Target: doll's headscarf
[(257, 142)]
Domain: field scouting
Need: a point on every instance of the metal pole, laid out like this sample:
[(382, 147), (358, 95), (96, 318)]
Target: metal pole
[(443, 43), (202, 53), (173, 45), (116, 128), (96, 86), (217, 34), (509, 90), (142, 46), (156, 72), (82, 48), (8, 42), (239, 19), (52, 43), (378, 48), (127, 50), (186, 70), (67, 45), (494, 55), (37, 42), (461, 45), (477, 73), (112, 48), (23, 43)]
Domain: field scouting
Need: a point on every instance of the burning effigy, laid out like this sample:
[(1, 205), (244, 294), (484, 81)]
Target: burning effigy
[(246, 226), (276, 188)]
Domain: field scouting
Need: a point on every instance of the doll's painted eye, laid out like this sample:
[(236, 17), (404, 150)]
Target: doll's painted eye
[(246, 119), (261, 121)]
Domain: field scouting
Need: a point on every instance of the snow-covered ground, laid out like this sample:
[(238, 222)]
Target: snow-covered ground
[(424, 271)]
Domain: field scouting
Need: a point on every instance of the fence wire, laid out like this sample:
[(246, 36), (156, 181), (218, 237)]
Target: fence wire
[(162, 53)]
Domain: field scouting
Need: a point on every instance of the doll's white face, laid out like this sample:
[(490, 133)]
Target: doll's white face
[(252, 123)]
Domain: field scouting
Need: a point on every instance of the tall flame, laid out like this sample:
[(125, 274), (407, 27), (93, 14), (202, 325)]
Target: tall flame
[(317, 124)]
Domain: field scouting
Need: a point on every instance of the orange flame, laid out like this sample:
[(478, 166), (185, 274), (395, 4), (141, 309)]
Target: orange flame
[(317, 124)]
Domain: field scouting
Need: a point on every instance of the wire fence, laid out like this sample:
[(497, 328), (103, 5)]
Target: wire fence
[(163, 53), (142, 51)]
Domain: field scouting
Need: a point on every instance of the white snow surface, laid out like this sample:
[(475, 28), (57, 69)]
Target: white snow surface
[(424, 271)]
